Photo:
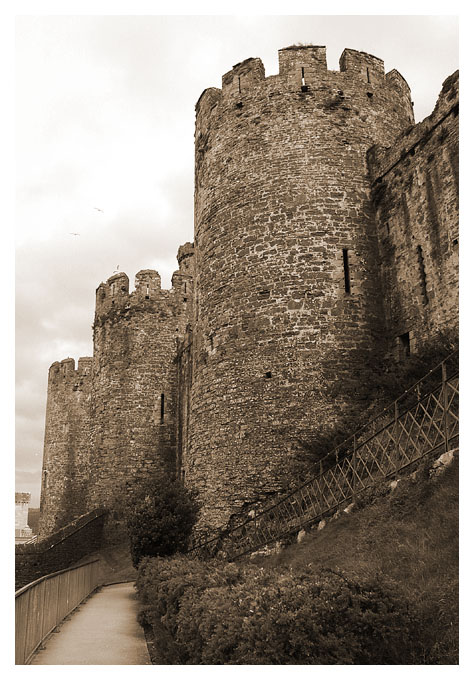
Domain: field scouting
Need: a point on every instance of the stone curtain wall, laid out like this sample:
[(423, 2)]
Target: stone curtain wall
[(415, 191), (288, 299)]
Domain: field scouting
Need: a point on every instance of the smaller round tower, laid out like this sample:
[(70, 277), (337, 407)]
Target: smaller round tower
[(66, 470), (133, 426)]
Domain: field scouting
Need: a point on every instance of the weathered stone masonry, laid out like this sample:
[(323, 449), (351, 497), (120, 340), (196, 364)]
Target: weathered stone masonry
[(287, 285), (115, 423), (66, 464), (325, 236), (415, 191)]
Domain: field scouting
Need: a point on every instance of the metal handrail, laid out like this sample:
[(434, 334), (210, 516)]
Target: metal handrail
[(42, 604)]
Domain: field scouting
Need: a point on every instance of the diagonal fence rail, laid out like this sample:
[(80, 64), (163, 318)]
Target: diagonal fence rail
[(422, 421)]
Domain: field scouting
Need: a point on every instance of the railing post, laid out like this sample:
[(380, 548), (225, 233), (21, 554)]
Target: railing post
[(444, 397), (396, 428), (354, 468)]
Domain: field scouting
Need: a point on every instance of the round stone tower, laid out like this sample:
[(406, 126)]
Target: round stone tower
[(66, 455), (287, 308), (133, 412)]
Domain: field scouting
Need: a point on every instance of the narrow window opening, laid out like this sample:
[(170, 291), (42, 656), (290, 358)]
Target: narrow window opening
[(368, 75), (240, 88), (404, 345), (421, 265), (304, 87), (185, 287), (185, 299), (347, 278), (162, 415), (268, 374), (147, 296), (45, 479), (211, 338)]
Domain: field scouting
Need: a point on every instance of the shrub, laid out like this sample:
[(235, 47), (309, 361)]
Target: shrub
[(160, 517), (240, 614)]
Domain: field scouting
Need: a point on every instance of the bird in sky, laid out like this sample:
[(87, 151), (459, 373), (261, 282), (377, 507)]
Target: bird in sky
[(74, 233), (99, 209), (116, 270)]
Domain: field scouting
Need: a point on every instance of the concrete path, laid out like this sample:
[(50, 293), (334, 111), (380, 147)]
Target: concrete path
[(102, 631)]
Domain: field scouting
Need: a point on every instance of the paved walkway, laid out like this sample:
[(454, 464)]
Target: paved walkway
[(102, 631)]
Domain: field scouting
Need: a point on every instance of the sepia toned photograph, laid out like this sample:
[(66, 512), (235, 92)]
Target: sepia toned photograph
[(237, 378)]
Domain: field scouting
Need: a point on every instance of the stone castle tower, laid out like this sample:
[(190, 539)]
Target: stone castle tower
[(325, 236), (112, 420)]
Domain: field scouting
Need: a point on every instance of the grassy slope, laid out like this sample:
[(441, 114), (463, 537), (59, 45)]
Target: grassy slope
[(410, 536), (115, 564)]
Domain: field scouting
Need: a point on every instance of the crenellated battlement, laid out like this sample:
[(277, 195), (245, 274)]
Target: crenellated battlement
[(148, 284), (369, 68), (243, 77), (303, 71), (311, 57), (114, 294), (114, 297), (65, 371)]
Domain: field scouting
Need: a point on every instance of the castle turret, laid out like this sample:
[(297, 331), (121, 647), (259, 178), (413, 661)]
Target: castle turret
[(66, 455), (287, 306), (134, 382)]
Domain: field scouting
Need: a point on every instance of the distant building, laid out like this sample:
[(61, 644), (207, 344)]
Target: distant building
[(22, 530)]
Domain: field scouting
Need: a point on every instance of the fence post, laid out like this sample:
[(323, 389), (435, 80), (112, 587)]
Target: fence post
[(396, 428), (444, 393), (354, 468)]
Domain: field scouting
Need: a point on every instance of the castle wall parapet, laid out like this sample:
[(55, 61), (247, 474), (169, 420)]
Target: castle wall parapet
[(303, 71), (383, 160), (415, 196)]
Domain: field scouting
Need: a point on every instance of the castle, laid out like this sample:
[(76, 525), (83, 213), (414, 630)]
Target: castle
[(325, 236)]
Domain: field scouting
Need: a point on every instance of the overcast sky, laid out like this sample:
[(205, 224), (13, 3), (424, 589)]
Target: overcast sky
[(105, 119)]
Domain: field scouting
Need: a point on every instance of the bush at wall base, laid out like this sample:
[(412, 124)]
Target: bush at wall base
[(160, 516)]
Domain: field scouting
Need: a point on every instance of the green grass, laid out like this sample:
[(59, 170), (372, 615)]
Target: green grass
[(411, 536)]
